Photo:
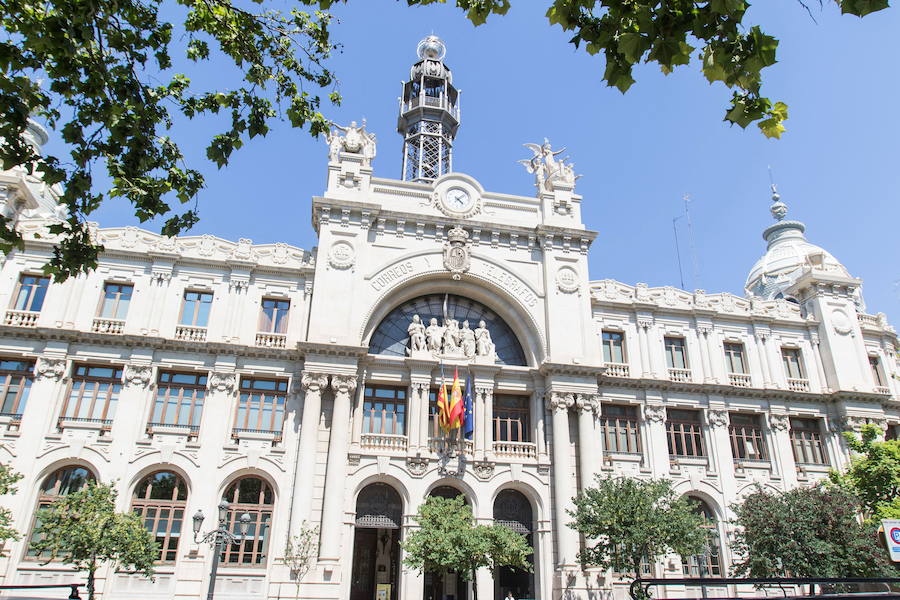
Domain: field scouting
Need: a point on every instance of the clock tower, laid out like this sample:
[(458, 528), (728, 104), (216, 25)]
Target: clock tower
[(429, 116)]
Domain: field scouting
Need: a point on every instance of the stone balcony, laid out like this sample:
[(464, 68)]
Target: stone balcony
[(383, 442), (271, 340), (190, 333), (113, 326), (616, 369), (515, 450), (739, 379), (798, 385), (883, 389), (680, 374), (21, 318)]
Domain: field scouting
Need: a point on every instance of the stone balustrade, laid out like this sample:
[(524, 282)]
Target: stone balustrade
[(616, 369), (515, 450), (190, 333), (21, 318), (680, 374), (739, 379), (114, 326), (383, 442), (271, 340), (798, 385)]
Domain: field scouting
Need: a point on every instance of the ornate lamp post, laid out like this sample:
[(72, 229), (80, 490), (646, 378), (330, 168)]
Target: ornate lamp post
[(218, 538)]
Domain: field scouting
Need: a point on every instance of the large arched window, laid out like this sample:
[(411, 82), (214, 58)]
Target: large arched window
[(61, 482), (251, 495), (160, 500), (708, 562), (391, 336)]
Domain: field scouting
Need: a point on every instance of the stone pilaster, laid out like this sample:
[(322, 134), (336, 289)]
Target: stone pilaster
[(588, 451), (566, 538), (312, 385), (335, 476)]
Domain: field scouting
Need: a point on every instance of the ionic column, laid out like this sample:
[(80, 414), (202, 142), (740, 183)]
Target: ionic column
[(566, 538), (644, 324), (537, 415), (719, 443), (588, 452), (356, 435), (312, 385), (656, 453), (424, 431), (335, 476), (782, 453)]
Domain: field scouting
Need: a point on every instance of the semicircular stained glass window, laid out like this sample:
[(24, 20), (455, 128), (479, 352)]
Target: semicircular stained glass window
[(391, 336)]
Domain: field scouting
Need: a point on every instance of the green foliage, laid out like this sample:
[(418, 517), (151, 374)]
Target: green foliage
[(629, 519), (671, 34), (806, 532), (874, 474), (8, 480), (449, 540), (111, 91), (83, 529)]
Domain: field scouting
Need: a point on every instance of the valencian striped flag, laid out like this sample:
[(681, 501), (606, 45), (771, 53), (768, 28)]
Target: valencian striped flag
[(456, 409), (443, 408)]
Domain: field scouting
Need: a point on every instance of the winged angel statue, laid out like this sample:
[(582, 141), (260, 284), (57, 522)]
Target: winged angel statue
[(547, 169)]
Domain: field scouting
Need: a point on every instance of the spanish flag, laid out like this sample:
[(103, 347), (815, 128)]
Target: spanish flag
[(456, 409), (443, 410)]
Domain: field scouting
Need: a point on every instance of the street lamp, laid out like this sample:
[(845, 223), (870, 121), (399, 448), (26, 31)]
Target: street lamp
[(218, 538)]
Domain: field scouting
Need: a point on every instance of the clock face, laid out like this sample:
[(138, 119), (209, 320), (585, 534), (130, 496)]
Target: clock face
[(457, 199)]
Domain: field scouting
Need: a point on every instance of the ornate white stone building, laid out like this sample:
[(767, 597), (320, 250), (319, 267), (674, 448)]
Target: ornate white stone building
[(192, 369)]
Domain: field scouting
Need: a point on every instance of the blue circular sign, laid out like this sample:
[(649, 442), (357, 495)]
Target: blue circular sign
[(895, 534)]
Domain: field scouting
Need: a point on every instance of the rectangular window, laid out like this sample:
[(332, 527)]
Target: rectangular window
[(93, 394), (273, 315), (676, 353), (116, 298), (613, 347), (685, 432), (876, 371), (734, 358), (15, 383), (806, 441), (179, 400), (195, 309), (747, 442), (30, 292), (793, 366), (384, 410), (619, 428), (511, 419), (261, 406)]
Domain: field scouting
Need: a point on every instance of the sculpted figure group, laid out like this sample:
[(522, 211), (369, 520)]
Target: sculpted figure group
[(450, 339)]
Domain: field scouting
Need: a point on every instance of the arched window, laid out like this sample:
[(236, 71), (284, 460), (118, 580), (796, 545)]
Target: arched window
[(447, 491), (160, 500), (708, 562), (255, 497), (391, 337), (61, 482)]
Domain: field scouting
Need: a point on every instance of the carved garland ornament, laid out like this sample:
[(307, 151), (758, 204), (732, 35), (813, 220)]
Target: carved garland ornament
[(717, 417), (222, 382), (654, 413), (138, 375), (50, 368), (342, 255), (567, 280), (778, 422)]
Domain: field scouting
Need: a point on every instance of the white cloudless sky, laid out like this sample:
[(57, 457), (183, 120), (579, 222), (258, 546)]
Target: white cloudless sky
[(837, 167)]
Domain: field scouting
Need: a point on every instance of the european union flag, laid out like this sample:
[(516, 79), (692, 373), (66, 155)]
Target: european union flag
[(469, 425)]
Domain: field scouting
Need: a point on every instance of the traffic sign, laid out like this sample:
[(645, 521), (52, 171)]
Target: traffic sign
[(892, 537)]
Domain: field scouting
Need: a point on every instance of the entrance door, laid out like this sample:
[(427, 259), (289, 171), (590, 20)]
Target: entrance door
[(362, 580), (446, 586), (376, 544)]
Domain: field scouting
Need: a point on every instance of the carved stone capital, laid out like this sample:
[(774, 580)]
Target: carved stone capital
[(419, 387), (559, 401), (654, 413), (645, 322), (313, 382), (704, 329), (50, 368), (343, 384), (717, 417), (588, 403), (138, 375), (779, 422), (221, 381)]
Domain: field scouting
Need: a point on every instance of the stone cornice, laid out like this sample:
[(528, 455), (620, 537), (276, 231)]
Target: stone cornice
[(552, 368), (323, 349)]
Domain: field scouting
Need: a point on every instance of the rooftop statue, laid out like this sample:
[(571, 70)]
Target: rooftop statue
[(355, 140), (547, 169)]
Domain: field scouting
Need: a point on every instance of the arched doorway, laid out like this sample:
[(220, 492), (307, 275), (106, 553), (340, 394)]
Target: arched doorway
[(512, 509), (708, 562), (376, 544), (446, 586)]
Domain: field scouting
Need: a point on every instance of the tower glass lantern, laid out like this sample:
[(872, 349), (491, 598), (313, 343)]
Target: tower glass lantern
[(429, 115)]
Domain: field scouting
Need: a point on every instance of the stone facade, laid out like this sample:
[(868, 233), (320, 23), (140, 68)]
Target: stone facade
[(220, 361)]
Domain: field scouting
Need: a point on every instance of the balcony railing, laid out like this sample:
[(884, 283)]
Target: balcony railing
[(115, 326), (21, 318), (798, 385), (518, 450), (383, 442), (883, 389), (190, 333), (868, 320), (680, 374), (739, 379), (271, 340), (238, 433), (435, 444), (191, 431), (616, 369)]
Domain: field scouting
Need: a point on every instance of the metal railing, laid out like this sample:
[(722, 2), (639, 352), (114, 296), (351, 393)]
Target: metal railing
[(640, 587)]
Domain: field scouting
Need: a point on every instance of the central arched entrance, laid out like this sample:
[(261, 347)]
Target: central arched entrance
[(446, 586), (512, 509), (376, 544)]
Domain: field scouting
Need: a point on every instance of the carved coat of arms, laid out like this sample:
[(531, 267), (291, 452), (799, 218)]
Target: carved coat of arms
[(456, 252)]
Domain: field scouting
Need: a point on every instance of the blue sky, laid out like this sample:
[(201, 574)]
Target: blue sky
[(639, 153)]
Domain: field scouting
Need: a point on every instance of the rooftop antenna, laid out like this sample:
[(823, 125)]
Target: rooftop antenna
[(677, 249), (694, 264)]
